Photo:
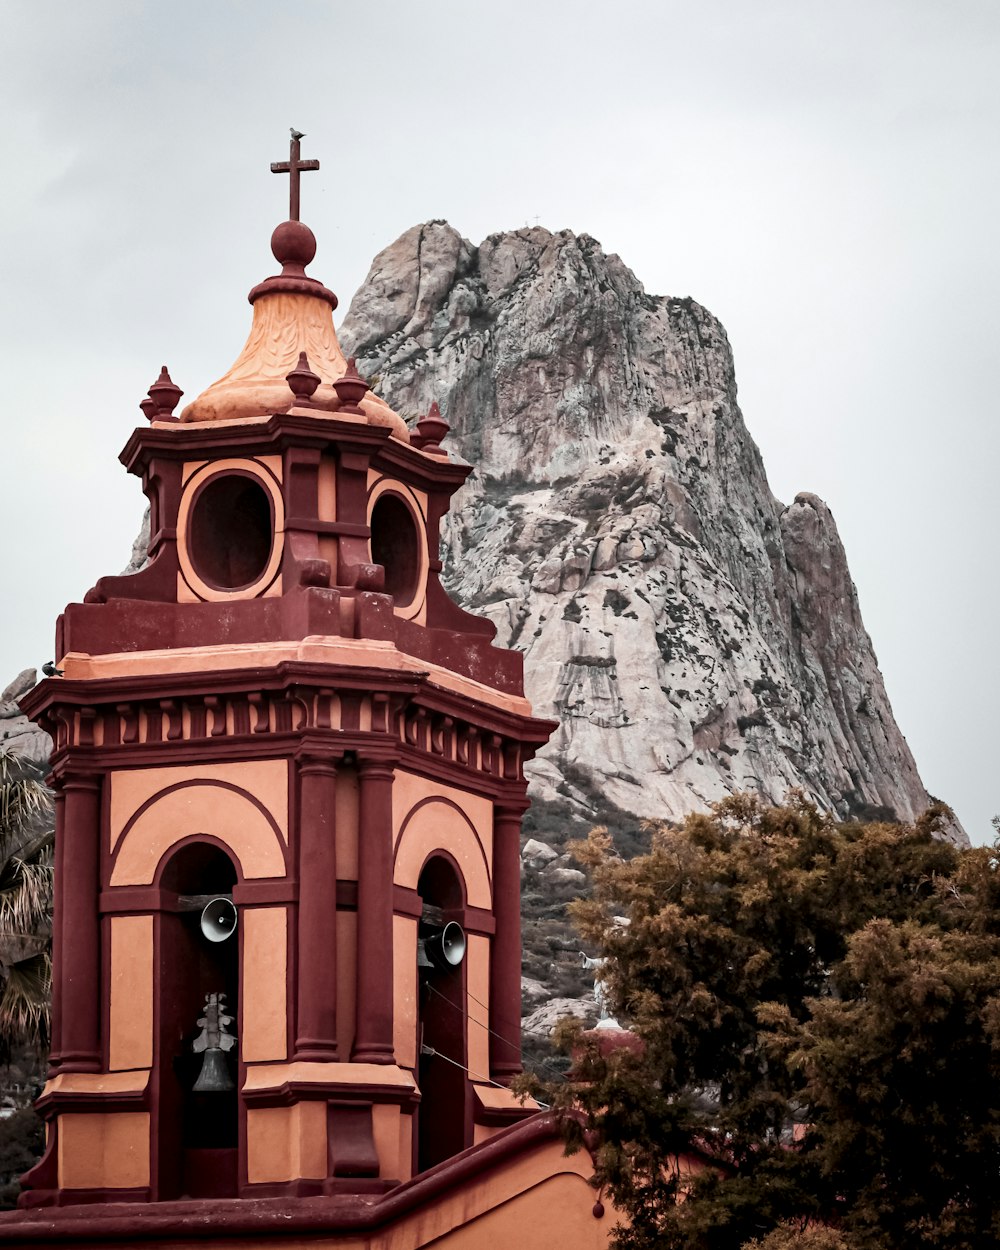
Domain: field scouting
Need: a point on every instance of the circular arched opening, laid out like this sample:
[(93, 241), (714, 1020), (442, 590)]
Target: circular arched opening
[(230, 531), (395, 544)]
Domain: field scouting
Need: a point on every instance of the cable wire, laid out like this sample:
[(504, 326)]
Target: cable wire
[(492, 1032), (437, 1054)]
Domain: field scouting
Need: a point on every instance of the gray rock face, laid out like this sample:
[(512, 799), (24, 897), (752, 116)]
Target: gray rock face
[(692, 635), (17, 733), (541, 1021)]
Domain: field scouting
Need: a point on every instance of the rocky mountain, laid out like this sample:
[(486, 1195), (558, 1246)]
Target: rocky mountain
[(692, 635), (18, 734)]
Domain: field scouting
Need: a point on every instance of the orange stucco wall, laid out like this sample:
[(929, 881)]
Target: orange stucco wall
[(347, 824), (284, 1143), (205, 803), (109, 1151), (391, 1143), (477, 973), (265, 962), (556, 1212), (541, 1201), (130, 1041), (347, 943), (404, 1014), (454, 820)]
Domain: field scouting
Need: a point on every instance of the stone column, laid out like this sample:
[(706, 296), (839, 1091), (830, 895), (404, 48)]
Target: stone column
[(505, 949), (316, 1010), (373, 1041), (58, 929), (79, 939)]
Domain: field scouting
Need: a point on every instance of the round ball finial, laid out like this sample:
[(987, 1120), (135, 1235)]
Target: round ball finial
[(293, 246)]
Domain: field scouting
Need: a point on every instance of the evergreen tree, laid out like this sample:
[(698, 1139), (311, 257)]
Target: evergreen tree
[(819, 1011)]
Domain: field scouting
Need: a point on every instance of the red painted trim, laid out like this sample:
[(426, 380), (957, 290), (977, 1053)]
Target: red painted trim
[(293, 1091), (505, 949), (223, 471), (316, 1000), (123, 899), (80, 954), (501, 1117), (186, 785), (58, 927), (78, 1199), (63, 1102), (282, 1216), (406, 902), (373, 1041), (478, 920), (440, 798), (263, 891), (53, 694)]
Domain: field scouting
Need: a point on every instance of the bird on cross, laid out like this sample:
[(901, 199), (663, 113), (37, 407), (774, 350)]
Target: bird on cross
[(293, 167)]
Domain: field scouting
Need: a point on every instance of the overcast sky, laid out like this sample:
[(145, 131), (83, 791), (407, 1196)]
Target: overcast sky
[(823, 176)]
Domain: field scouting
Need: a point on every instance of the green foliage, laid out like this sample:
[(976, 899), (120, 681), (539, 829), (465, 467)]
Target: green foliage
[(819, 1006)]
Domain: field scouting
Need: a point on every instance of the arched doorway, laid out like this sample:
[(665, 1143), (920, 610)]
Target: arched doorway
[(444, 1115), (198, 1131)]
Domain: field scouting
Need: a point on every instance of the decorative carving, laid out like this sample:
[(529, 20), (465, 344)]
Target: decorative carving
[(429, 433), (303, 382), (162, 400), (351, 388), (258, 714)]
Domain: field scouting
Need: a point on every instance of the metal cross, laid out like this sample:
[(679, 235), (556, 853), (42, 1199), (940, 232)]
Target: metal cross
[(293, 167)]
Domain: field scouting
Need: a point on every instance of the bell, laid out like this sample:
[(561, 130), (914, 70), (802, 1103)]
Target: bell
[(214, 1076)]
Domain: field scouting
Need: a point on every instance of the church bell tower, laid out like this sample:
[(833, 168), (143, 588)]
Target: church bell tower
[(289, 781)]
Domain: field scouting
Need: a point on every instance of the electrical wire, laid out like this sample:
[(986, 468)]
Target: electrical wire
[(492, 1032), (438, 1054)]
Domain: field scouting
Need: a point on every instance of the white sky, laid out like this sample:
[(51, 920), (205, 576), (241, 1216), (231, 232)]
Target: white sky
[(822, 176)]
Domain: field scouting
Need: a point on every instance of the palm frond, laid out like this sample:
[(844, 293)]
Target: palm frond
[(25, 895), (25, 801), (24, 1005)]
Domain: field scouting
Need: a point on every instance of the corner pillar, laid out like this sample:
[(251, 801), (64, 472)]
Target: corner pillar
[(316, 1005), (78, 941), (373, 1041), (505, 949)]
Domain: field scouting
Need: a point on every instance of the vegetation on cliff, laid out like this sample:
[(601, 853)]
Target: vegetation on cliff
[(819, 1007)]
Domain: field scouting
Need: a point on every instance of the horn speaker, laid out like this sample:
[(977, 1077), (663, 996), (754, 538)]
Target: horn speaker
[(218, 919), (445, 947)]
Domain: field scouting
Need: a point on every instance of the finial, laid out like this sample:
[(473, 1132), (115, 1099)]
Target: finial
[(163, 397), (350, 388), (429, 433), (293, 167), (303, 382)]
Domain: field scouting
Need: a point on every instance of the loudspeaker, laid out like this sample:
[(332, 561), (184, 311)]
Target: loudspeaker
[(445, 947), (218, 919)]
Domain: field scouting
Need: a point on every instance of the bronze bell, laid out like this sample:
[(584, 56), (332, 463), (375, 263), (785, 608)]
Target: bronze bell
[(214, 1040), (214, 1075)]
